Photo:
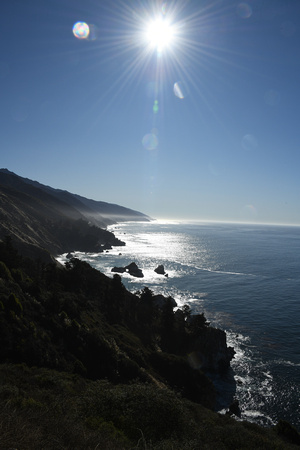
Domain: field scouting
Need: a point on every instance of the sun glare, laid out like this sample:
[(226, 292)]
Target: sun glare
[(168, 43), (159, 34)]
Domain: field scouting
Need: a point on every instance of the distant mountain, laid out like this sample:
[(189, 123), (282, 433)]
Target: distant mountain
[(98, 212), (39, 216)]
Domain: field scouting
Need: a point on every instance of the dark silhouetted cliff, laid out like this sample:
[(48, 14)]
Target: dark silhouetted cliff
[(40, 218), (86, 364)]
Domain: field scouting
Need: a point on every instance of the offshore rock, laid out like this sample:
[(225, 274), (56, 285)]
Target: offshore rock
[(234, 408), (160, 270), (209, 351), (118, 269), (132, 269)]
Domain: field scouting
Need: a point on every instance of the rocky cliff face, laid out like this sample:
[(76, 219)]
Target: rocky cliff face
[(209, 351)]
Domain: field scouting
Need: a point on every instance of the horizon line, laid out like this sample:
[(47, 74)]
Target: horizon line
[(166, 220)]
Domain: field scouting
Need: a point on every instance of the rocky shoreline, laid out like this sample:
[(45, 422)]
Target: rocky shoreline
[(128, 356), (133, 270), (208, 350)]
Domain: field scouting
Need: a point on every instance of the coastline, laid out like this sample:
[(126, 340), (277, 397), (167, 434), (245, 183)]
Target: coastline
[(68, 317), (259, 370)]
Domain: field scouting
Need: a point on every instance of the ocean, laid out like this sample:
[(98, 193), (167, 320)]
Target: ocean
[(246, 280)]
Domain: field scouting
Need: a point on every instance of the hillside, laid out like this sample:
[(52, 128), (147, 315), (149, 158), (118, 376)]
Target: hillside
[(40, 218), (86, 364)]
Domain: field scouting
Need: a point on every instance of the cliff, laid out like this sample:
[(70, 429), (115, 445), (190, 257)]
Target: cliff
[(86, 364), (76, 319), (43, 220), (209, 351)]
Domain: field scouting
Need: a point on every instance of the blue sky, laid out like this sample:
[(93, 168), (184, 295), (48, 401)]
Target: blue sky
[(100, 117)]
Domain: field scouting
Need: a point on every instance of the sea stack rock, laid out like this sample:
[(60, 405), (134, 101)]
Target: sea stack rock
[(132, 269), (161, 270), (118, 269)]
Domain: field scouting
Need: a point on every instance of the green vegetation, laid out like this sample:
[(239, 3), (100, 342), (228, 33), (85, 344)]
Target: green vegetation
[(85, 364), (43, 408)]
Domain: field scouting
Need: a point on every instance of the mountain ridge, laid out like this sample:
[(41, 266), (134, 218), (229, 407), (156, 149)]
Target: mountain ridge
[(43, 220), (117, 213)]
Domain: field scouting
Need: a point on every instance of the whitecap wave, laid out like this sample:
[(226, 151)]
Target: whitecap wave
[(257, 417), (283, 362), (223, 272), (213, 270)]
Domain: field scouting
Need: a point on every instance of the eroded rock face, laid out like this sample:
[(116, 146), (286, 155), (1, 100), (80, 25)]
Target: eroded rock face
[(132, 269), (209, 351)]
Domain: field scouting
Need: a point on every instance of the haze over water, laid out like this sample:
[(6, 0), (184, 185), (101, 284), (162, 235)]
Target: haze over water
[(246, 278)]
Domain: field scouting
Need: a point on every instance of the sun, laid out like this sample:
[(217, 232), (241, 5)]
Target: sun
[(160, 34)]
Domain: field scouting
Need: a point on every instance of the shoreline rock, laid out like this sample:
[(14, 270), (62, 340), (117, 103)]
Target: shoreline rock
[(132, 269), (209, 351), (160, 270)]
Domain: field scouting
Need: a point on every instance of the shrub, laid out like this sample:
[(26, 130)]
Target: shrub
[(5, 272), (106, 429), (159, 413), (14, 304), (18, 275)]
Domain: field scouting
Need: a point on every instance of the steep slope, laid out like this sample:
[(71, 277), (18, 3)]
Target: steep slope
[(85, 364), (97, 212), (37, 221)]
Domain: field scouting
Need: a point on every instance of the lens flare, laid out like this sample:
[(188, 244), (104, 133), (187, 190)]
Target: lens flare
[(93, 32), (155, 107), (180, 89), (150, 141), (81, 30), (164, 8), (165, 43), (244, 10)]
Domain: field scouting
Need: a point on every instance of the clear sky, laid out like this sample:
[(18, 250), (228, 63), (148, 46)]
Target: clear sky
[(178, 109)]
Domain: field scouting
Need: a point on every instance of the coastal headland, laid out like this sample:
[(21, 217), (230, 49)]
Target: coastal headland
[(85, 363)]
